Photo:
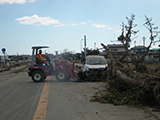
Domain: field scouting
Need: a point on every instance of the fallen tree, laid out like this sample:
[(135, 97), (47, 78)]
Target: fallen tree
[(117, 72), (132, 84)]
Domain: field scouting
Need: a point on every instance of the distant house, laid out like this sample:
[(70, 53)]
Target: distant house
[(137, 51), (117, 50), (153, 55)]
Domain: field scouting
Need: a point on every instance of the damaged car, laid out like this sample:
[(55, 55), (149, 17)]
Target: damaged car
[(93, 66)]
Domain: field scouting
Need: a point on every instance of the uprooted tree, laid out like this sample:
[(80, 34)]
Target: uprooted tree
[(135, 85), (125, 39)]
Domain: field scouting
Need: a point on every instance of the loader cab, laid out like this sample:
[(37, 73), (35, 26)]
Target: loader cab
[(37, 70), (34, 60)]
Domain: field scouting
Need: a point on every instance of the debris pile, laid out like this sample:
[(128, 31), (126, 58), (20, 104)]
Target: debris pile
[(147, 92), (94, 75), (134, 83)]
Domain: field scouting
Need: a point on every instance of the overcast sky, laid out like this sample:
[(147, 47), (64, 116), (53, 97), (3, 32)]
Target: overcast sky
[(61, 24)]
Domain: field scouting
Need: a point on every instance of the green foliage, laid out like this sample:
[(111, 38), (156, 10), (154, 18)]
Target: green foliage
[(89, 52)]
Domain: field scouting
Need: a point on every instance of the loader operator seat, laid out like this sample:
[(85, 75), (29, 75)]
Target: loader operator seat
[(38, 62)]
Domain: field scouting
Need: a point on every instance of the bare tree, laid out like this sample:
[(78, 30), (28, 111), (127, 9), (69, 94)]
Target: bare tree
[(142, 86), (127, 32), (125, 38), (153, 35)]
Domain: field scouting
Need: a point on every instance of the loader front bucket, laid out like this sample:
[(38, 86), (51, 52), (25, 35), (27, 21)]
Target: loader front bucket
[(81, 76)]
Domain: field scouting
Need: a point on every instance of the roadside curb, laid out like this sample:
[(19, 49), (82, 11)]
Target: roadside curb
[(18, 70), (4, 69), (13, 70)]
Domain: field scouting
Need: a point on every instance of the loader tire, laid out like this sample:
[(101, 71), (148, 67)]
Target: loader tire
[(38, 76), (62, 76)]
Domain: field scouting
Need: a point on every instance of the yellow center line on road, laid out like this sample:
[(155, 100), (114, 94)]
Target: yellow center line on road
[(40, 113)]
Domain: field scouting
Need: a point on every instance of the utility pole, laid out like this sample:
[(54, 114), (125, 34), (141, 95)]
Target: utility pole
[(95, 45), (144, 38), (134, 43), (81, 49), (81, 45), (85, 45)]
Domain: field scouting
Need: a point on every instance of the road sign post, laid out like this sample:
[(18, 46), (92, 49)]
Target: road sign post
[(3, 50)]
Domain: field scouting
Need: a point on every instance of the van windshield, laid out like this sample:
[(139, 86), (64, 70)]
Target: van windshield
[(96, 61)]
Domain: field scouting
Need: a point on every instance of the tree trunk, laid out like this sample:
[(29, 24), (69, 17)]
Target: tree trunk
[(126, 79), (115, 70)]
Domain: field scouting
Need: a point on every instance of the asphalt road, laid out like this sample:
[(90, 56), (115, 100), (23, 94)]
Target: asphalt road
[(22, 99), (19, 96)]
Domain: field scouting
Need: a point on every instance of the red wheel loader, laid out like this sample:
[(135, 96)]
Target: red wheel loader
[(38, 71)]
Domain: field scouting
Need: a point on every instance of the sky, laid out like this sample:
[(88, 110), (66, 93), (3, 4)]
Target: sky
[(62, 24)]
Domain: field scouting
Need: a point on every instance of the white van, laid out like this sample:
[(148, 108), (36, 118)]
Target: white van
[(94, 62)]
